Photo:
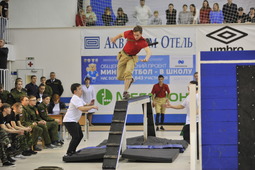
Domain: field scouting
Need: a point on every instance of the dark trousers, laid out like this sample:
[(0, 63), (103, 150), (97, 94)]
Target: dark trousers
[(75, 131), (3, 22), (186, 136)]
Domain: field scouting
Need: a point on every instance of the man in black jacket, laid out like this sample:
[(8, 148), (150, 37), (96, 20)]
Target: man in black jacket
[(55, 84), (3, 55), (3, 59), (32, 88)]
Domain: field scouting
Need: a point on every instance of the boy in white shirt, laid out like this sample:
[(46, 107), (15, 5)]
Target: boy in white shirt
[(71, 120), (185, 104)]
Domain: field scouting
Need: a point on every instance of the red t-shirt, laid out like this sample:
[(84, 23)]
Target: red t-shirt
[(160, 91), (133, 46), (80, 20)]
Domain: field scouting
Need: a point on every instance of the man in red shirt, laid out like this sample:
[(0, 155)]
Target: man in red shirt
[(160, 96), (127, 58)]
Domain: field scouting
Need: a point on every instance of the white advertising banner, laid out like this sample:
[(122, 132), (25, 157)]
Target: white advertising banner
[(172, 40), (226, 38), (173, 57)]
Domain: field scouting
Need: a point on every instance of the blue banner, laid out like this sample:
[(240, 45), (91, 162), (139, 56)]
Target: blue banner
[(103, 69)]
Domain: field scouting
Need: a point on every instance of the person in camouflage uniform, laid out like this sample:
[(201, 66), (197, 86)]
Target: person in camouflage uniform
[(16, 124), (5, 149), (10, 134), (52, 124), (32, 118), (28, 120), (18, 92), (48, 89), (5, 95)]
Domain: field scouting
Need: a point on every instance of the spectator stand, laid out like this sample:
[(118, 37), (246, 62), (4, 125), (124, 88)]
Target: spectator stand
[(102, 4)]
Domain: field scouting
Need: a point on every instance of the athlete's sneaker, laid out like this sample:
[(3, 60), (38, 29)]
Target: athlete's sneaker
[(162, 128), (126, 95)]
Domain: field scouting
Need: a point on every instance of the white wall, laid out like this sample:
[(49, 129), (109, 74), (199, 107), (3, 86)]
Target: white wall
[(61, 13), (55, 50), (42, 13)]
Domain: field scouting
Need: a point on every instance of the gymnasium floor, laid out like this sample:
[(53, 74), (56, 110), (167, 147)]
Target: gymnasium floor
[(53, 157)]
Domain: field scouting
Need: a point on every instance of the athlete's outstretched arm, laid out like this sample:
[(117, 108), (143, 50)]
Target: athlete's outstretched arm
[(113, 39), (148, 54)]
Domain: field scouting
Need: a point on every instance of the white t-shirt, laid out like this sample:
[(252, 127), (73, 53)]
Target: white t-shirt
[(186, 105), (56, 109), (40, 101), (88, 94), (73, 114)]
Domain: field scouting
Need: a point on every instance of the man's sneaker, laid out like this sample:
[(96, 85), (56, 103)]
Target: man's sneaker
[(126, 95), (10, 159), (36, 148), (61, 142), (162, 128), (26, 153), (32, 152), (20, 156), (157, 129), (69, 154), (56, 144), (8, 164)]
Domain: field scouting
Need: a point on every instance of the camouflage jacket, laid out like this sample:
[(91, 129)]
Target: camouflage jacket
[(16, 95), (29, 115), (43, 111)]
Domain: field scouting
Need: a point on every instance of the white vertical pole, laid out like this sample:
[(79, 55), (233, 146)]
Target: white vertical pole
[(193, 127), (124, 140), (145, 121), (199, 113), (86, 126)]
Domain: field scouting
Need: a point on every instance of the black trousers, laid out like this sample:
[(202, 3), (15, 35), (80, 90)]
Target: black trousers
[(75, 131), (186, 136)]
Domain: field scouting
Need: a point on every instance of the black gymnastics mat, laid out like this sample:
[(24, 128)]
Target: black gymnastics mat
[(154, 141), (151, 155), (87, 155), (152, 147)]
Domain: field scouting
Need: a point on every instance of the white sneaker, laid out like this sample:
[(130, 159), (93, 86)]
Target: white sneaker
[(20, 156)]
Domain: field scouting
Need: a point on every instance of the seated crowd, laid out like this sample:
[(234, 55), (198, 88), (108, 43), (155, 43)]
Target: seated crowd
[(24, 118), (230, 13)]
